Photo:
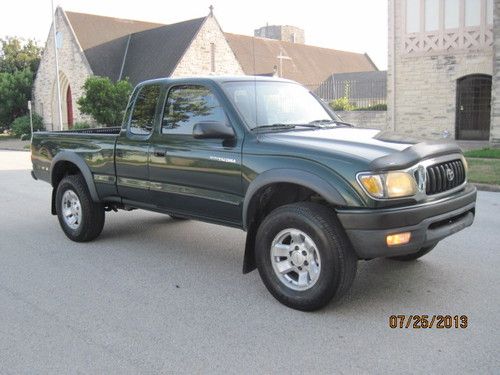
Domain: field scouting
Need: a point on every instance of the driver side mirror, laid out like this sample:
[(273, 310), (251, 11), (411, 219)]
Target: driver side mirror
[(213, 130)]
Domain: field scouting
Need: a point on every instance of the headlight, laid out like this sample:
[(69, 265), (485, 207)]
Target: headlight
[(388, 185)]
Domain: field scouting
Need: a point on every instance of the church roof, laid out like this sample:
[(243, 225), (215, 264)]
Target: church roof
[(119, 48), (138, 50), (155, 53), (303, 63)]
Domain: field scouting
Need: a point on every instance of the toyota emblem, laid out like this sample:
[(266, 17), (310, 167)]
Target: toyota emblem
[(450, 175)]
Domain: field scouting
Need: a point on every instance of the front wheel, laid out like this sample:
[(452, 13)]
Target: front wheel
[(80, 217), (304, 257)]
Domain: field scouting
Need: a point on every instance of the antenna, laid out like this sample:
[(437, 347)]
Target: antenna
[(254, 79)]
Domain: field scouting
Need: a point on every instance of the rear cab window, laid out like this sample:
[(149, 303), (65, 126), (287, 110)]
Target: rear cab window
[(142, 118)]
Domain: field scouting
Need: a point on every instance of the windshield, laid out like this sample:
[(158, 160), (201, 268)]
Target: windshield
[(267, 103)]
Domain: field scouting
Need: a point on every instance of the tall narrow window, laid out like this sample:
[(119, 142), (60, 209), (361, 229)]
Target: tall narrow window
[(412, 16), (472, 12), (489, 12), (451, 14), (212, 57), (431, 15)]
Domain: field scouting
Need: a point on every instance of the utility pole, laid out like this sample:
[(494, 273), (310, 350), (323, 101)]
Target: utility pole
[(54, 29), (31, 119)]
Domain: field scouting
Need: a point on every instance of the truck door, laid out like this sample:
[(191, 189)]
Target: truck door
[(132, 146), (197, 177)]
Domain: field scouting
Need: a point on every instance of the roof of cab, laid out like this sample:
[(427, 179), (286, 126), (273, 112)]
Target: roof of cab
[(216, 79)]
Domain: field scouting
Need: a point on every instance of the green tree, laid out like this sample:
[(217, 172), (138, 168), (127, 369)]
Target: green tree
[(104, 100), (17, 54), (15, 91), (19, 61)]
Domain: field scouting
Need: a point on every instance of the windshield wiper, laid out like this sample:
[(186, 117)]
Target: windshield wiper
[(330, 122), (281, 126)]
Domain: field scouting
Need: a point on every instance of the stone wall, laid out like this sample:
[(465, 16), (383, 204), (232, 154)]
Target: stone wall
[(495, 99), (198, 58), (73, 71), (365, 119), (421, 87)]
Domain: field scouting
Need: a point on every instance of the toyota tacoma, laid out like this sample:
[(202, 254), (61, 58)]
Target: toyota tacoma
[(314, 194)]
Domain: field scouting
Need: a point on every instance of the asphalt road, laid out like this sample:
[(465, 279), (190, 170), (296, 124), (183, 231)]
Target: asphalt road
[(152, 295)]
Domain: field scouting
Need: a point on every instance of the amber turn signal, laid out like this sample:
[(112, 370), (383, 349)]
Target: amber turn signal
[(398, 239)]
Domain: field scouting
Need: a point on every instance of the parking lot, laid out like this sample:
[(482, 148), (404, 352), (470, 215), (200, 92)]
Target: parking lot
[(154, 295)]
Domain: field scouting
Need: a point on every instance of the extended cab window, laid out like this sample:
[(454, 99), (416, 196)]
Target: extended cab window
[(187, 105), (143, 114)]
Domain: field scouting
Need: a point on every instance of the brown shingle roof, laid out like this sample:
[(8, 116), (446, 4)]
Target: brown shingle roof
[(103, 39), (154, 50), (308, 65), (155, 53), (151, 50)]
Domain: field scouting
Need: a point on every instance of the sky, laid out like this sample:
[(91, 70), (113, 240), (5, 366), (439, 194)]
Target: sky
[(350, 25)]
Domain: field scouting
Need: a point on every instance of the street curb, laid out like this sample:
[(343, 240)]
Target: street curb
[(13, 149), (487, 187)]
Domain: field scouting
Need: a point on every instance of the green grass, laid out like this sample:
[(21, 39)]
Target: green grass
[(6, 136), (485, 171), (487, 153)]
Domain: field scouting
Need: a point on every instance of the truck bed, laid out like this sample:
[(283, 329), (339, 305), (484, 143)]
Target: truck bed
[(95, 146)]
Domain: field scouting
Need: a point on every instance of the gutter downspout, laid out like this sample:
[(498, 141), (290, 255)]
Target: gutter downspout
[(124, 57)]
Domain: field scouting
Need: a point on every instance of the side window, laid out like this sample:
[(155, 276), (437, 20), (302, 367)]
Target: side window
[(143, 114), (187, 105)]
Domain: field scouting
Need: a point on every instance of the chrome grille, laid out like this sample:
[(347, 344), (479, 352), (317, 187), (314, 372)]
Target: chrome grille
[(444, 176)]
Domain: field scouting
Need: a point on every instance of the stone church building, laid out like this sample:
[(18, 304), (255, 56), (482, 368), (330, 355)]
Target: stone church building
[(443, 76), (118, 48)]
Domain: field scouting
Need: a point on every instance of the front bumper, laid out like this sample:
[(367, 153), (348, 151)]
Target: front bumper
[(428, 223)]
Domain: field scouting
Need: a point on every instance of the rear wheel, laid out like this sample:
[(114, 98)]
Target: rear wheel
[(414, 256), (80, 217), (304, 257)]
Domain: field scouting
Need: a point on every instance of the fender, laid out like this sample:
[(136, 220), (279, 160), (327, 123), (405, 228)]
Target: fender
[(294, 176), (82, 166)]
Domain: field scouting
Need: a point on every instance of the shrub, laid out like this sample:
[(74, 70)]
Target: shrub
[(342, 104), (105, 100), (80, 125), (374, 107), (21, 125)]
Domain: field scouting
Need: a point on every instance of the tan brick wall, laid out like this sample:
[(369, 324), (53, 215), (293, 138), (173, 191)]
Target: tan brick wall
[(365, 119), (197, 59), (421, 88), (73, 68)]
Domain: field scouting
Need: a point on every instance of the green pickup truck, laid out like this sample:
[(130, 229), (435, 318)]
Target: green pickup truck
[(314, 194)]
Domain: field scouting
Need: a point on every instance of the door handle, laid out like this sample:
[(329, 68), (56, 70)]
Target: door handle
[(160, 152)]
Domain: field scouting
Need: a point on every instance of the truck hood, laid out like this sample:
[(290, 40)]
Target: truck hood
[(376, 148)]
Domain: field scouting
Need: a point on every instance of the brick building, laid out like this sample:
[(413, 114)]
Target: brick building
[(118, 48), (443, 68)]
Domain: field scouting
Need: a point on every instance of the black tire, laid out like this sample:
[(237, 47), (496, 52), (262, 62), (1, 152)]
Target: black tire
[(91, 216), (414, 256), (338, 259)]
